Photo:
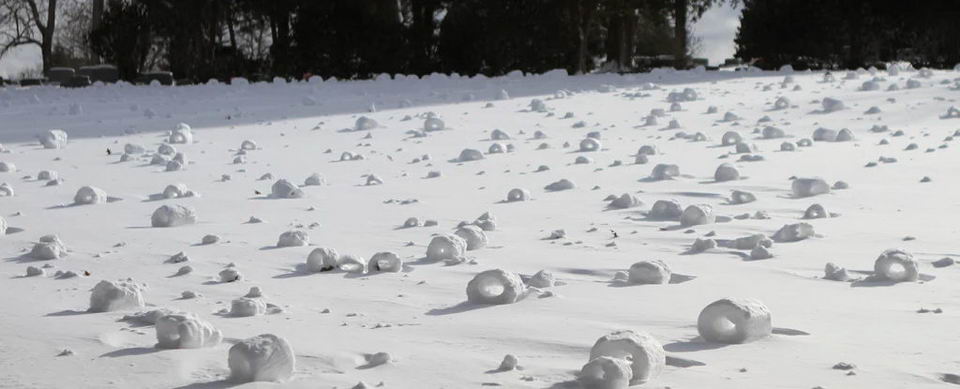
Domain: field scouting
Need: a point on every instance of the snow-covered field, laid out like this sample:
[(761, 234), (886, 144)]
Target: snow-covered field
[(903, 185)]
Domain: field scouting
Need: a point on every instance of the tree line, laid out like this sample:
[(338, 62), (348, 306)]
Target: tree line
[(832, 34), (354, 39)]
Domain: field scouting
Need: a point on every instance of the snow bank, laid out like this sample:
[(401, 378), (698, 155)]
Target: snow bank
[(114, 296), (264, 357), (646, 355), (495, 287), (186, 330), (734, 321)]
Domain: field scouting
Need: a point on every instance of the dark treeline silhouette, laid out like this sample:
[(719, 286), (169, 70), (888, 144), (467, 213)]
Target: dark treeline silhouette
[(348, 39), (831, 34)]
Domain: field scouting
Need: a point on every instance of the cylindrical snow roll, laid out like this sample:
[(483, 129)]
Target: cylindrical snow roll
[(897, 265), (323, 259), (264, 357), (386, 262), (473, 235), (495, 287), (90, 195), (697, 214), (606, 373), (650, 272), (446, 246), (647, 358), (186, 331), (734, 321), (517, 194), (590, 144)]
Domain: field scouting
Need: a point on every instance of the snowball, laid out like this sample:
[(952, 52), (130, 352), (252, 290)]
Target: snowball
[(647, 150), (172, 216), (650, 272), (209, 239), (230, 274), (6, 190), (433, 124), (322, 259), (517, 194), (664, 171), (412, 222), (7, 167), (787, 146), (293, 238), (33, 271), (793, 232), (495, 287), (825, 135), (113, 296), (283, 189), (54, 139), (46, 175), (385, 262), (509, 362), (90, 195), (647, 357), (666, 210), (186, 330), (590, 144), (131, 148), (48, 247), (496, 148), (246, 307), (782, 103), (248, 145), (896, 265), (726, 172), (473, 236), (468, 155), (563, 184), (806, 187), (264, 357), (734, 321), (606, 373), (696, 215)]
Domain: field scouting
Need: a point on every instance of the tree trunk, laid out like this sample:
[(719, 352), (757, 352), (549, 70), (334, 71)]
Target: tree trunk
[(46, 48), (680, 33), (97, 16)]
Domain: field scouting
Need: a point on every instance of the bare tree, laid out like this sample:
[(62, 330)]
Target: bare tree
[(28, 22)]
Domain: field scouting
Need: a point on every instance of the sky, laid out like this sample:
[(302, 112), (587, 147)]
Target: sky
[(716, 30)]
